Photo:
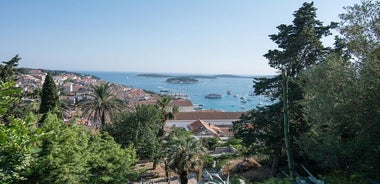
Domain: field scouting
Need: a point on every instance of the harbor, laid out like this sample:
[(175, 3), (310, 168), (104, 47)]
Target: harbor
[(233, 94)]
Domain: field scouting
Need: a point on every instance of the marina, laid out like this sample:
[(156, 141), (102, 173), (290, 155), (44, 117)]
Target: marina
[(229, 100)]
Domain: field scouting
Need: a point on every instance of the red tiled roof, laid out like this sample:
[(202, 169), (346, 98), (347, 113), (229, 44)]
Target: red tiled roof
[(181, 103), (207, 115), (226, 129), (199, 126)]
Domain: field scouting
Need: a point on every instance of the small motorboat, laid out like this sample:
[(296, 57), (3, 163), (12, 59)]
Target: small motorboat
[(213, 96)]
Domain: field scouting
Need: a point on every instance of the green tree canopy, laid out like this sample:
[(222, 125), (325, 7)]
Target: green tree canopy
[(140, 129), (17, 139), (73, 154), (183, 155), (299, 47), (49, 95), (341, 106), (360, 27), (8, 70), (300, 42), (102, 105)]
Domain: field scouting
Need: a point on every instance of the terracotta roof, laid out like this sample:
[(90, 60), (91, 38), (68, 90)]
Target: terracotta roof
[(181, 103), (199, 126), (207, 115), (226, 129)]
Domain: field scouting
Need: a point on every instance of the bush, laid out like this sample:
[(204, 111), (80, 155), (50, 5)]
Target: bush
[(235, 179), (209, 161), (276, 181), (342, 179)]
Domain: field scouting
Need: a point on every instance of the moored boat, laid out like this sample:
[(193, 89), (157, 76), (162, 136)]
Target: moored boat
[(213, 95)]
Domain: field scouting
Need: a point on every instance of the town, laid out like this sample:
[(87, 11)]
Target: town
[(76, 87), (309, 113)]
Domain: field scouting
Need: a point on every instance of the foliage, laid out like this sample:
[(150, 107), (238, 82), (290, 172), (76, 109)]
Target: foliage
[(276, 181), (49, 95), (17, 149), (183, 155), (360, 27), (168, 112), (342, 111), (8, 96), (64, 154), (300, 43), (261, 132), (208, 161), (341, 102), (300, 47), (103, 104), (163, 104), (17, 138), (8, 70), (326, 104), (72, 154), (139, 129), (223, 159), (236, 179), (209, 142), (344, 179), (108, 162), (369, 84)]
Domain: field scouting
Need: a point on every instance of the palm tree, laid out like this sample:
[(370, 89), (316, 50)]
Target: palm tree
[(184, 155), (103, 104), (163, 104)]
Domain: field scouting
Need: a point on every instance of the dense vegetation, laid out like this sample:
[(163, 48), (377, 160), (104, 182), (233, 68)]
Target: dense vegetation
[(325, 114), (325, 117)]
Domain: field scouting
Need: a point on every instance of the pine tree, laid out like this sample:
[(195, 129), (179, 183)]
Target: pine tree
[(49, 96), (8, 70), (299, 47)]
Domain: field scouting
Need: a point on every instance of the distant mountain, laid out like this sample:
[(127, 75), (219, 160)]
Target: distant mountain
[(231, 76), (200, 76)]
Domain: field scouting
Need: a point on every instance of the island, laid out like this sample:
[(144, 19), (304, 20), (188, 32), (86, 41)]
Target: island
[(193, 76), (231, 76), (182, 80)]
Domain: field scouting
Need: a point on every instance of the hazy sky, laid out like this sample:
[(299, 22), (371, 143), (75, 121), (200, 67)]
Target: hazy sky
[(176, 36)]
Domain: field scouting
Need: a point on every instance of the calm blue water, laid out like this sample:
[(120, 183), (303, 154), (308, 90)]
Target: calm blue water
[(239, 86)]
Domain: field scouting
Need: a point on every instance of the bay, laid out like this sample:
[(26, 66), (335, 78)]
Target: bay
[(240, 88)]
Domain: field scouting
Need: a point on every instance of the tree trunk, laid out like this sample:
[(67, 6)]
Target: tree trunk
[(103, 120), (167, 173), (200, 171), (286, 123), (154, 165), (199, 175), (183, 177), (276, 159)]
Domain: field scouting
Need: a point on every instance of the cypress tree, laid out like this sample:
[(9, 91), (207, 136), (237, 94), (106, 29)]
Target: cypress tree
[(49, 96)]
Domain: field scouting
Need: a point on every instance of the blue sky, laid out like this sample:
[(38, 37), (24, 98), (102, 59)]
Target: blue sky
[(171, 36)]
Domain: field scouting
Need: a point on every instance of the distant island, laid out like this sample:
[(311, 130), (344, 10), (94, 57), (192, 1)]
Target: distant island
[(194, 76), (181, 80), (231, 76)]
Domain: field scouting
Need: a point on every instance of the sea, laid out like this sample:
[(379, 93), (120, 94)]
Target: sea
[(236, 93)]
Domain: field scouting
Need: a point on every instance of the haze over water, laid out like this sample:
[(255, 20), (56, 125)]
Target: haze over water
[(240, 87)]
